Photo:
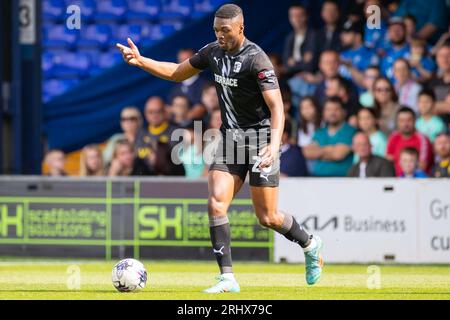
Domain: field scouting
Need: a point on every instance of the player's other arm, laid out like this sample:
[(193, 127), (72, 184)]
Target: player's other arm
[(165, 70)]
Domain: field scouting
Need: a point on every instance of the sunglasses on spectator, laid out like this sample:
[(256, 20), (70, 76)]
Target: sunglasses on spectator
[(128, 119), (381, 89)]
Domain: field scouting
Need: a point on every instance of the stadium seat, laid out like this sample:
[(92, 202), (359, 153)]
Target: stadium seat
[(173, 10), (162, 31), (104, 60), (88, 9), (59, 36), (53, 10), (95, 36), (134, 31), (71, 65), (56, 87), (111, 10), (143, 10), (203, 7)]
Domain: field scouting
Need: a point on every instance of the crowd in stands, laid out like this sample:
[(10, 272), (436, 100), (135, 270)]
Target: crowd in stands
[(359, 102)]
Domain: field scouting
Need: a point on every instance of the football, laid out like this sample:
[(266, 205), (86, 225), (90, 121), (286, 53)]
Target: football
[(129, 275)]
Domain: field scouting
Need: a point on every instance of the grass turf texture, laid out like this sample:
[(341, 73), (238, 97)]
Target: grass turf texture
[(185, 280)]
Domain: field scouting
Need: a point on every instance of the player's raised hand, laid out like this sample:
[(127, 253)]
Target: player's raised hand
[(130, 54)]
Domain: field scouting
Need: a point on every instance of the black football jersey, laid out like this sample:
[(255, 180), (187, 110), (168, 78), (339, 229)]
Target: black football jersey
[(239, 80)]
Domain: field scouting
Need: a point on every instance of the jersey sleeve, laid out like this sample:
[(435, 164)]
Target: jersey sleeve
[(264, 72), (200, 59)]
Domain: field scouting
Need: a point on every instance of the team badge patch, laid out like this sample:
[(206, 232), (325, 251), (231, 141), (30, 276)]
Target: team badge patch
[(237, 66)]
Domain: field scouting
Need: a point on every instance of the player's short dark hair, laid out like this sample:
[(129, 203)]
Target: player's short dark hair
[(428, 93), (228, 11), (406, 109), (411, 151)]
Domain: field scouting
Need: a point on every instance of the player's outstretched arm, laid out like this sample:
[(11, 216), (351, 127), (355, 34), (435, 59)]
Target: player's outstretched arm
[(165, 70)]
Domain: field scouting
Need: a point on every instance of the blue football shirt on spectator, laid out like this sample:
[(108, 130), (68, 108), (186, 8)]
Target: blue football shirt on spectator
[(392, 54), (322, 137)]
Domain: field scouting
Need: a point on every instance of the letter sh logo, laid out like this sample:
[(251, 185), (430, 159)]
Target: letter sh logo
[(10, 220), (154, 222)]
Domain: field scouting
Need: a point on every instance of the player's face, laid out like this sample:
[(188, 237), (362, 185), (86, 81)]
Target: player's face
[(228, 32)]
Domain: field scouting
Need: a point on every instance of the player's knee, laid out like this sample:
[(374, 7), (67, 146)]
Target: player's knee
[(216, 206), (270, 221)]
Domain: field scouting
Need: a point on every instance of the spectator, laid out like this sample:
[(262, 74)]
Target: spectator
[(328, 38), (441, 82), (442, 149), (366, 99), (289, 113), (386, 104), (215, 119), (407, 136), (411, 27), (131, 124), (368, 165), (428, 123), (331, 146), (407, 89), (192, 88), (210, 101), (292, 162), (55, 161), (159, 129), (163, 163), (356, 57), (443, 40), (191, 155), (422, 65), (122, 163), (280, 70), (367, 123), (340, 87), (91, 161), (397, 47), (431, 19), (409, 164), (300, 45), (179, 110), (310, 120), (329, 68)]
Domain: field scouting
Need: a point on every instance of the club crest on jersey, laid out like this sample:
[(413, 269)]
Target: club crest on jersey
[(237, 66)]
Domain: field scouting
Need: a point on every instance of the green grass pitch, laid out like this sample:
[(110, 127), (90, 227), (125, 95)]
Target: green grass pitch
[(47, 279)]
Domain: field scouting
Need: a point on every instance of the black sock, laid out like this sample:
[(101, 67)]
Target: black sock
[(293, 231), (219, 229)]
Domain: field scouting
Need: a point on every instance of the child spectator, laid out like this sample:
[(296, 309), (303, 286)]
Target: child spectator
[(123, 159), (422, 65), (91, 161), (310, 120), (367, 123), (428, 123), (55, 160), (409, 164)]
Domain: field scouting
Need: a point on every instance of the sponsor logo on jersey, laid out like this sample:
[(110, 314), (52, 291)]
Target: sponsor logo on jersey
[(230, 82)]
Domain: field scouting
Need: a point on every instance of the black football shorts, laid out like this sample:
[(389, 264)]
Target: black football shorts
[(237, 153)]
